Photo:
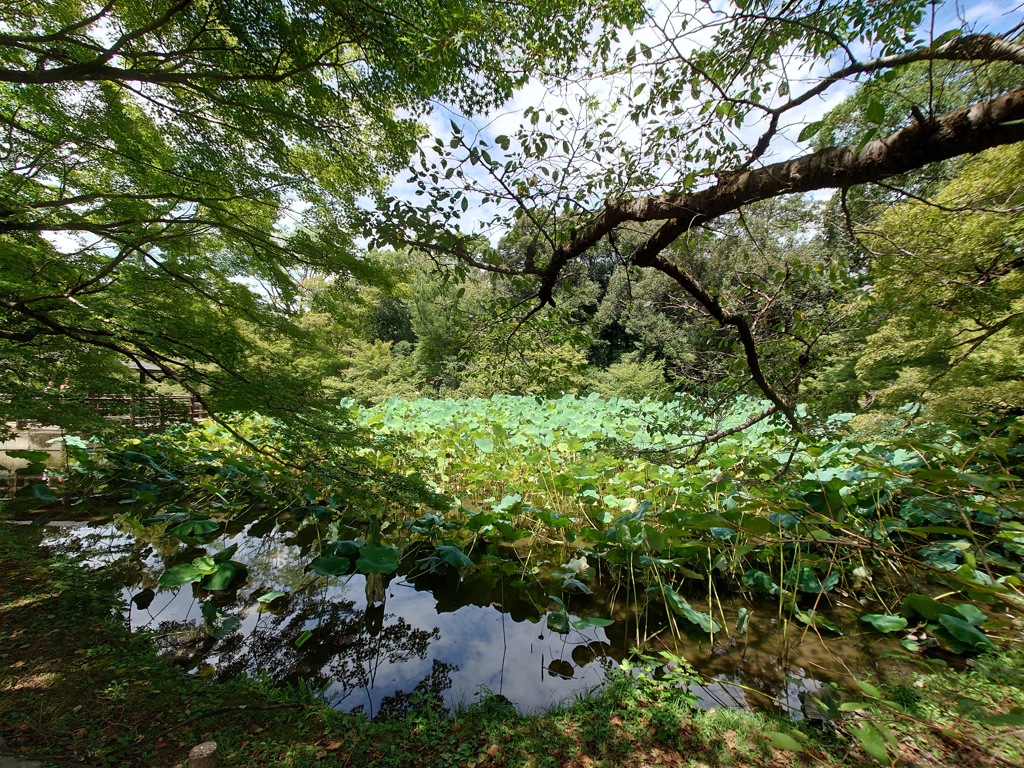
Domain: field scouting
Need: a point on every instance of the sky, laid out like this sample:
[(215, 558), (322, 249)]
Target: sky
[(977, 16), (984, 15)]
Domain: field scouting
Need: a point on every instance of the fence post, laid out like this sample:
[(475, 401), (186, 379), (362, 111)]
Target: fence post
[(203, 756)]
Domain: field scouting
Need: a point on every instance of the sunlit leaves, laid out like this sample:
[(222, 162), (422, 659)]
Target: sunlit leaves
[(743, 620), (180, 575), (226, 575), (206, 154), (809, 131), (682, 608), (784, 741), (917, 354), (884, 622), (872, 741), (269, 597), (212, 574), (552, 480)]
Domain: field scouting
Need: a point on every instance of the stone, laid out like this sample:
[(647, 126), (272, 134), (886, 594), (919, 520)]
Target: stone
[(203, 756)]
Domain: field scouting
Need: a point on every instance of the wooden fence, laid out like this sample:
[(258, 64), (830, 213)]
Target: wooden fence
[(147, 413), (153, 412)]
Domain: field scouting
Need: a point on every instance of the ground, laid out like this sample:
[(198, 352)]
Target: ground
[(76, 687)]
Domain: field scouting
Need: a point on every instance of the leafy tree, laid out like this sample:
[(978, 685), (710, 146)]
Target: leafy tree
[(375, 371), (540, 359), (767, 263), (947, 294), (171, 168), (632, 377), (880, 106), (529, 367), (469, 339), (714, 94), (391, 320)]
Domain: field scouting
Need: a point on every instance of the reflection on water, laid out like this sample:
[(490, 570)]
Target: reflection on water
[(384, 646)]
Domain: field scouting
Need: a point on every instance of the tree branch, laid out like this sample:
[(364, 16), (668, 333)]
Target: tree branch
[(963, 131)]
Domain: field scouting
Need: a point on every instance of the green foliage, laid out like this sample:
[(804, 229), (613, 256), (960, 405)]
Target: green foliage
[(589, 475), (632, 378), (375, 371), (467, 337), (227, 471), (593, 470), (663, 679), (885, 623), (768, 263), (173, 170), (377, 559), (680, 606), (946, 281), (443, 325), (526, 366)]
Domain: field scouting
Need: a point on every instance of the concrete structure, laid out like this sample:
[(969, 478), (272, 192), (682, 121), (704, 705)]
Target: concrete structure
[(31, 439)]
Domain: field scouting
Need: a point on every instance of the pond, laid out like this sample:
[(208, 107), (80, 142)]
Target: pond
[(376, 647)]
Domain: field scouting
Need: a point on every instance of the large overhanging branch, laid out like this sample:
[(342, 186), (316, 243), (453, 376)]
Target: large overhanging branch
[(988, 48), (963, 131)]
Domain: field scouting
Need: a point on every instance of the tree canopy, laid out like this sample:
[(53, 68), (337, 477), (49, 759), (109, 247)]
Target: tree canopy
[(171, 170), (185, 184), (704, 112), (940, 306)]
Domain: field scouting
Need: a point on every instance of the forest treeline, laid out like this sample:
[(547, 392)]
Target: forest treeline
[(913, 303), (204, 191)]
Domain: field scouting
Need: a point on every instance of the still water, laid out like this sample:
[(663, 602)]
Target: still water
[(452, 637)]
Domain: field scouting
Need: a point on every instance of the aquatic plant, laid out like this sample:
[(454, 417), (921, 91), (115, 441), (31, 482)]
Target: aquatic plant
[(923, 533)]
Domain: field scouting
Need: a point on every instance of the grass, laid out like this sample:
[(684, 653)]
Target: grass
[(77, 687)]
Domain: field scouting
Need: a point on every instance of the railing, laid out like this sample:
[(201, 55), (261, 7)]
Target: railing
[(153, 412)]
